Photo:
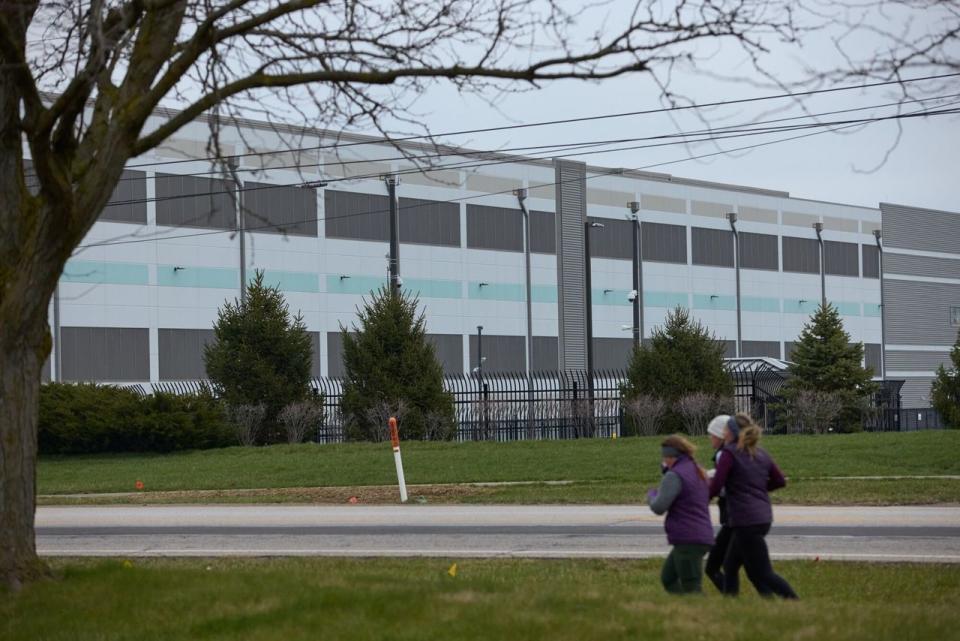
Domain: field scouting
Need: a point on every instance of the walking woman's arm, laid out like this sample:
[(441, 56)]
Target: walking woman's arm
[(776, 479), (724, 463), (664, 497)]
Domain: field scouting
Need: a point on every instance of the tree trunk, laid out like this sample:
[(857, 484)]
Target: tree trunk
[(20, 364)]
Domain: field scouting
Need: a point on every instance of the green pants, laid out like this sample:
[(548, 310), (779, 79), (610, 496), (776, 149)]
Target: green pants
[(683, 570)]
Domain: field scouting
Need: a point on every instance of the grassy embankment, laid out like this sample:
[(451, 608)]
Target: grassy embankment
[(596, 471), (292, 599)]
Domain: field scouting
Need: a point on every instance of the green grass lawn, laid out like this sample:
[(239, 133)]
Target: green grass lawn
[(416, 599), (603, 470)]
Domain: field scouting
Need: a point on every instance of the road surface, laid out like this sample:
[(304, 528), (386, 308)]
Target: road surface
[(919, 534)]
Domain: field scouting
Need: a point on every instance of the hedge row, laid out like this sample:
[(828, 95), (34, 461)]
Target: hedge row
[(86, 418)]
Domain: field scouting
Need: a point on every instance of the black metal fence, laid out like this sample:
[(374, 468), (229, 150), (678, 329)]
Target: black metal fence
[(557, 405)]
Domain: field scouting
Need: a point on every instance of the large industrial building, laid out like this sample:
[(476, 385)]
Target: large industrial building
[(138, 299)]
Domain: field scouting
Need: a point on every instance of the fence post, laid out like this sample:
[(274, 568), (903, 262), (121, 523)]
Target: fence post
[(395, 438), (486, 410)]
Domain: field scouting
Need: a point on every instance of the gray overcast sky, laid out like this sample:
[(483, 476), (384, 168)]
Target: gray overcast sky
[(921, 170)]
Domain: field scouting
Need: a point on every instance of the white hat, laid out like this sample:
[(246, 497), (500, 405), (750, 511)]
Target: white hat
[(718, 426)]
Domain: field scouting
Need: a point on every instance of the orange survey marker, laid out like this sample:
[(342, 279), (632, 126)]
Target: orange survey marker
[(395, 439), (394, 434)]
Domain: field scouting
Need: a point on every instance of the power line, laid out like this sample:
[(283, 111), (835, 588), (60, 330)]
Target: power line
[(598, 175), (564, 121), (470, 164), (570, 145)]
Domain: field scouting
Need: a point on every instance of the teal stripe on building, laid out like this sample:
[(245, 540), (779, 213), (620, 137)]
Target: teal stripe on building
[(290, 281), (361, 285), (202, 277), (715, 301), (760, 304), (434, 288), (667, 300), (105, 273)]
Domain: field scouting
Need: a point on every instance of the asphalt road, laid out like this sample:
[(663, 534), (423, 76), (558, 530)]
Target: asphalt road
[(920, 534)]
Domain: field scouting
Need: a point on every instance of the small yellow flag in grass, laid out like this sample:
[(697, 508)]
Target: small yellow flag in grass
[(127, 563), (453, 570)]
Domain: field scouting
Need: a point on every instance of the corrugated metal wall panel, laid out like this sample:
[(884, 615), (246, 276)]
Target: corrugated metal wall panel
[(711, 247), (664, 243), (105, 353), (841, 259), (429, 222), (761, 348), (612, 353), (801, 255), (546, 355), (543, 232), (213, 206), (181, 353), (902, 360), (279, 209), (615, 240), (502, 353), (356, 216), (871, 357), (921, 265), (871, 261), (334, 355), (915, 393), (759, 251), (918, 313), (498, 228), (572, 215), (128, 202), (449, 350), (922, 229)]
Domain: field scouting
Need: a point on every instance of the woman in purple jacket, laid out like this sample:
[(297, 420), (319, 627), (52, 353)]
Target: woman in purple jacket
[(747, 474), (684, 496)]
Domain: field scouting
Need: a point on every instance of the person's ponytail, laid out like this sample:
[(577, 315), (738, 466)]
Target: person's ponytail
[(749, 436)]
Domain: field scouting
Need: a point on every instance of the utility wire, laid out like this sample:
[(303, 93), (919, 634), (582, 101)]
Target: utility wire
[(597, 175), (564, 121), (559, 146)]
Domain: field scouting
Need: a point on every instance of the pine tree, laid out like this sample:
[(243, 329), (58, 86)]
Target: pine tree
[(824, 360), (945, 392), (261, 354), (682, 358), (390, 369)]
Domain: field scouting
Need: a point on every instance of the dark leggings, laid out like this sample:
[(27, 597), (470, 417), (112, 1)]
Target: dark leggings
[(723, 574), (747, 545)]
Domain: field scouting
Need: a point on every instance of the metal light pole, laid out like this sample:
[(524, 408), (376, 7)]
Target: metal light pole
[(521, 197), (480, 352), (732, 217), (823, 267), (883, 325), (392, 181), (234, 164), (637, 275), (589, 307)]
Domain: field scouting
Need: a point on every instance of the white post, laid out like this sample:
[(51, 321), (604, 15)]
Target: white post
[(395, 437)]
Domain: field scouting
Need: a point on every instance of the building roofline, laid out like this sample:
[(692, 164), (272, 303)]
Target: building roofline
[(929, 209)]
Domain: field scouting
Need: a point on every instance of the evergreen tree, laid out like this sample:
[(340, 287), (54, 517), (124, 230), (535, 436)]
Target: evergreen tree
[(392, 369), (261, 354), (682, 358), (824, 360), (945, 393)]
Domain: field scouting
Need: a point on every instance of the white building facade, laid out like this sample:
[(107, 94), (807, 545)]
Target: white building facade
[(138, 299)]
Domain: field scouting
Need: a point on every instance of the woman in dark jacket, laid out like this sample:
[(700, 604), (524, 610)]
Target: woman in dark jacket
[(747, 473), (683, 495)]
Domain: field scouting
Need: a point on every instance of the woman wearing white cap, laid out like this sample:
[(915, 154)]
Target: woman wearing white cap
[(717, 429)]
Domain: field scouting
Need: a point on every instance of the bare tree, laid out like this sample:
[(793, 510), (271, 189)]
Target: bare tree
[(695, 410), (298, 418), (379, 416), (647, 412), (812, 411), (80, 80), (247, 421)]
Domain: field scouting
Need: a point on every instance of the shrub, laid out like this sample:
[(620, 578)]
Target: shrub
[(682, 358), (261, 355), (824, 360), (299, 418), (87, 418), (945, 392), (390, 367)]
